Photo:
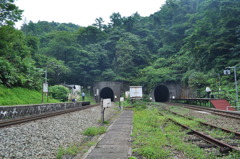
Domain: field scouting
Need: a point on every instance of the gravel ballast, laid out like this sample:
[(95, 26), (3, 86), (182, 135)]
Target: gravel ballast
[(41, 139), (219, 121)]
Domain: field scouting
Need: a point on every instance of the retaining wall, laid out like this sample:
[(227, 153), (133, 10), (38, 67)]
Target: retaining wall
[(9, 112)]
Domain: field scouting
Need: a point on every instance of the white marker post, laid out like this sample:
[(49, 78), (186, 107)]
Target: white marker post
[(106, 103), (44, 90), (121, 100)]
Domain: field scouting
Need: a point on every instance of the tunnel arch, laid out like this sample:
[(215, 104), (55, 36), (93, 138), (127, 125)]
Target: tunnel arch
[(107, 93), (161, 93)]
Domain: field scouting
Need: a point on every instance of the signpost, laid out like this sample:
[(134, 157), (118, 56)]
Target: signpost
[(106, 103), (45, 90), (97, 95), (121, 99)]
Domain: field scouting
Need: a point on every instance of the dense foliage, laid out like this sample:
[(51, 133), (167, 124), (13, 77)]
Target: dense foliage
[(188, 41)]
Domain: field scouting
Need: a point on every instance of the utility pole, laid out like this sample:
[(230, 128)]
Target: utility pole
[(219, 83), (46, 75), (45, 86), (236, 82)]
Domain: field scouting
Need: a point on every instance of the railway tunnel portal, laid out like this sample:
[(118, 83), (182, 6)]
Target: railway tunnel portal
[(166, 91), (161, 94), (109, 89), (107, 92)]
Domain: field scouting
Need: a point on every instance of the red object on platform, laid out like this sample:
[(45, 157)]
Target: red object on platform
[(222, 104)]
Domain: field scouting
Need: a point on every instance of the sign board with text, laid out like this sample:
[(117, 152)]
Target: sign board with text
[(45, 87), (136, 92), (107, 103), (121, 99)]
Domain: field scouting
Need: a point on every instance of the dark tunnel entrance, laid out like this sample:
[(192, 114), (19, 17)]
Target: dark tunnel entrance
[(107, 93), (161, 94)]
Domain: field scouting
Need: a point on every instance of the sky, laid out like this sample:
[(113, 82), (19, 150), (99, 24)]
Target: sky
[(83, 12)]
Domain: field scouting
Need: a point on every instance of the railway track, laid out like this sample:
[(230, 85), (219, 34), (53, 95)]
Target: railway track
[(214, 142), (234, 115), (7, 123), (237, 134)]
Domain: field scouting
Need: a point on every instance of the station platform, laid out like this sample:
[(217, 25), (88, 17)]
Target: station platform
[(116, 143)]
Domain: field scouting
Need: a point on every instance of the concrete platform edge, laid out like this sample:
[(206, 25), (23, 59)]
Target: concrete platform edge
[(99, 139)]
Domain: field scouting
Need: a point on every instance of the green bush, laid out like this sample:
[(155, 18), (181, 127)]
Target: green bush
[(59, 92)]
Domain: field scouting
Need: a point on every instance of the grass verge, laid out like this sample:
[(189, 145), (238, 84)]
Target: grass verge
[(92, 131), (88, 141), (155, 137), (22, 96)]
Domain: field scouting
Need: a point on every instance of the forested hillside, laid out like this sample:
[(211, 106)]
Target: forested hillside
[(188, 41)]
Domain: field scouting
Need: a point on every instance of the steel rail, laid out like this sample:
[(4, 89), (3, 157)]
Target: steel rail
[(224, 148), (7, 123), (237, 134), (213, 111), (208, 108)]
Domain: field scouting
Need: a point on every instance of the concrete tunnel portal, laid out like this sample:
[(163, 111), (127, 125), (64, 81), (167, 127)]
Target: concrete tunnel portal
[(161, 93), (107, 93)]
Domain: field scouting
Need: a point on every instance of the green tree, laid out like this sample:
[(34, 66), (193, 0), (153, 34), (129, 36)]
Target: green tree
[(17, 66), (99, 23), (90, 35), (116, 19), (9, 13)]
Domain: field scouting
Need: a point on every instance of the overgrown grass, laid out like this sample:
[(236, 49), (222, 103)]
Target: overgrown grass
[(21, 96), (139, 104), (92, 131), (194, 124), (180, 110), (73, 150), (185, 111), (88, 97), (155, 137)]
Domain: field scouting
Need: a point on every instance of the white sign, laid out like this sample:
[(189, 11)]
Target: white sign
[(107, 103), (121, 99), (45, 87), (127, 93), (136, 92), (226, 72), (76, 89)]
